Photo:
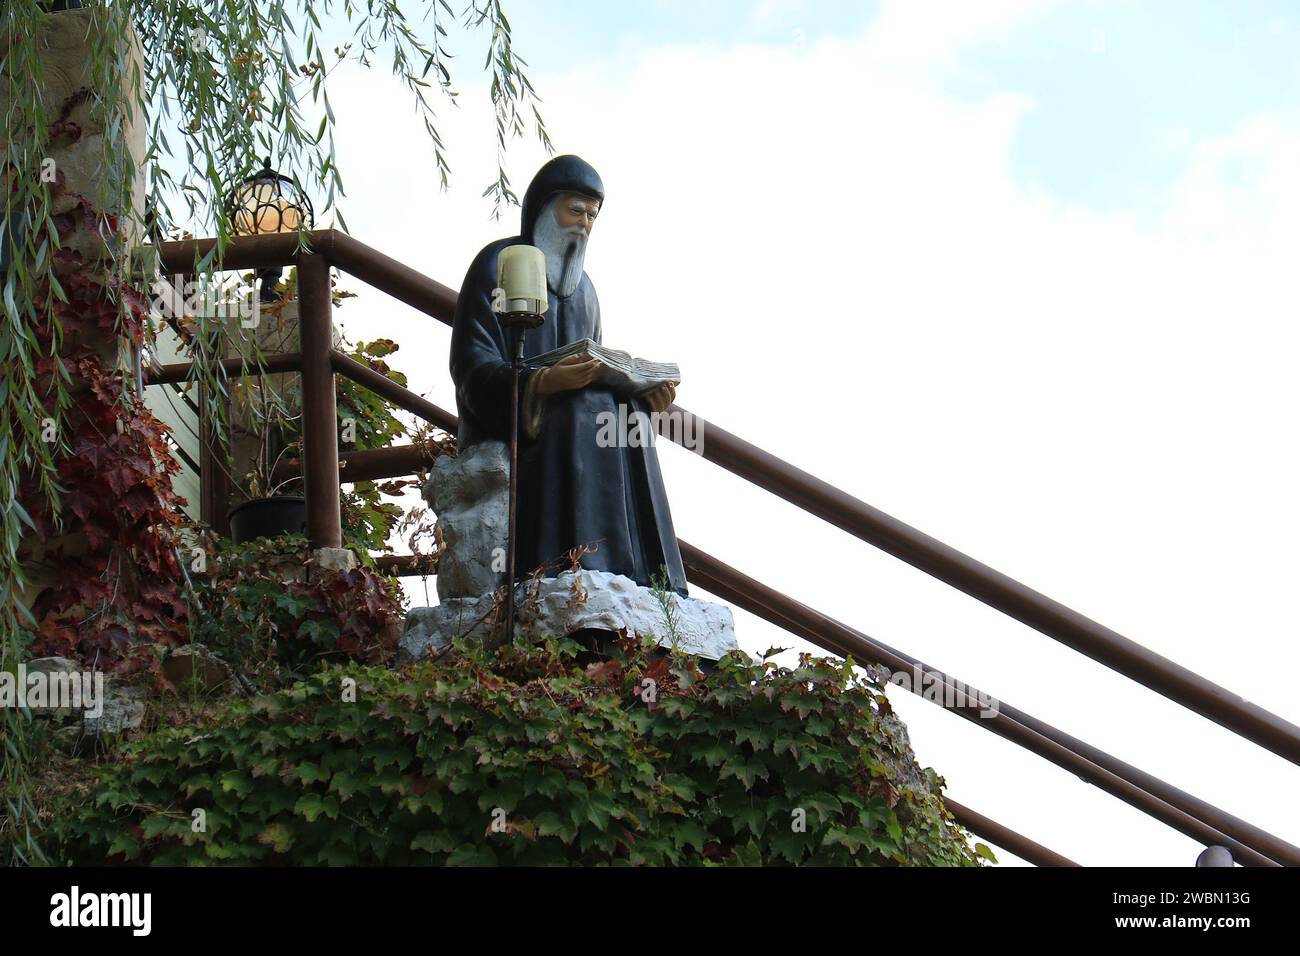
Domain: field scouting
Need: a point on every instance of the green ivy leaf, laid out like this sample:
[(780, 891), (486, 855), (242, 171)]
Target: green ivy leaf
[(472, 856), (278, 836)]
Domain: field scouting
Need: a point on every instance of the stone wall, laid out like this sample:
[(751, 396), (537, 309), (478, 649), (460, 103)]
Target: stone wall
[(67, 42), (66, 39)]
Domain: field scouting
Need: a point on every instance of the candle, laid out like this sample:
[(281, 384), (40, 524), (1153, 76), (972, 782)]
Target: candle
[(521, 275)]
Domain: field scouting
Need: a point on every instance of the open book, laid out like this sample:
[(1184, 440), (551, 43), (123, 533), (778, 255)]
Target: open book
[(622, 372)]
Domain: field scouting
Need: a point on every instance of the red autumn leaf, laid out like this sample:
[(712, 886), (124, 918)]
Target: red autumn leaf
[(605, 672)]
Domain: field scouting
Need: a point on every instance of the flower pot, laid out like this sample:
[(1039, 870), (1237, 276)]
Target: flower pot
[(268, 518)]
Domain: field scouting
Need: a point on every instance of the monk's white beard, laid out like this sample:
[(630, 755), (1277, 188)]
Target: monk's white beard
[(565, 250)]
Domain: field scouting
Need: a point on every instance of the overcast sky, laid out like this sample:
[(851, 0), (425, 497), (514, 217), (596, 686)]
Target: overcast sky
[(1020, 274)]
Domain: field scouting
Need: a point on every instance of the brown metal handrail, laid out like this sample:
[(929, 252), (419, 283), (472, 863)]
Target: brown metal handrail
[(1009, 839), (180, 371), (365, 464), (802, 489), (384, 386)]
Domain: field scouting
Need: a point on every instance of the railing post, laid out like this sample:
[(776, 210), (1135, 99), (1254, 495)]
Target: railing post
[(320, 440), (214, 486)]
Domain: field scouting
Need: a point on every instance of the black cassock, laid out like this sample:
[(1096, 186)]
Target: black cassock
[(571, 491)]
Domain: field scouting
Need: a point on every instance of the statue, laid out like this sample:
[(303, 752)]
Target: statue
[(575, 489), (579, 492)]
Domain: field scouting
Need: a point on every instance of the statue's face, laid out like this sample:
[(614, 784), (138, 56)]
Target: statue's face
[(576, 210)]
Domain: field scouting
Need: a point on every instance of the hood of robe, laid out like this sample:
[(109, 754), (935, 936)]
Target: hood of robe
[(563, 174)]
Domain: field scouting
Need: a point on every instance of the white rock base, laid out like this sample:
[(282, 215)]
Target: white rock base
[(568, 603)]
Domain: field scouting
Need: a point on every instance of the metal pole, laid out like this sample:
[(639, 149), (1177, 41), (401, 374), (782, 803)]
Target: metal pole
[(516, 366), (241, 252), (182, 371), (365, 464), (214, 484), (320, 440), (385, 387), (1005, 837)]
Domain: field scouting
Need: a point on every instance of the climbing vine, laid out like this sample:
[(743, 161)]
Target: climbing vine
[(264, 608), (369, 520), (530, 756)]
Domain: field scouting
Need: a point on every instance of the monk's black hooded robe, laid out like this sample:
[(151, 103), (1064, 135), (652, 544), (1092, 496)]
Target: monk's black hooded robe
[(572, 491)]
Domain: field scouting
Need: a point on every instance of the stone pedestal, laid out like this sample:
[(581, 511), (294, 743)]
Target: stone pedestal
[(470, 496), (573, 602)]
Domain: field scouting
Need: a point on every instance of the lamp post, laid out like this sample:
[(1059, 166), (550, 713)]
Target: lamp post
[(268, 202), (520, 302)]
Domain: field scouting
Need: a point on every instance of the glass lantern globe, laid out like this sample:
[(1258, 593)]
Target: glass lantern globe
[(268, 202)]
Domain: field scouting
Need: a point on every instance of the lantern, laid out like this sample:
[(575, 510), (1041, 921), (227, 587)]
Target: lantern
[(268, 202)]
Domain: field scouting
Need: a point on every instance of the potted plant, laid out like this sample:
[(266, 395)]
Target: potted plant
[(268, 411), (270, 508)]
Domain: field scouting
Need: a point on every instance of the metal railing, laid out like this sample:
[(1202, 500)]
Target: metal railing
[(321, 470)]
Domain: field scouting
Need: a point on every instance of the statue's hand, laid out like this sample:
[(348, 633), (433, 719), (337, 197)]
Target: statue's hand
[(569, 375), (660, 398)]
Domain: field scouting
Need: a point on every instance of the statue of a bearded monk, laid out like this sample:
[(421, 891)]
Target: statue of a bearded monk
[(573, 489)]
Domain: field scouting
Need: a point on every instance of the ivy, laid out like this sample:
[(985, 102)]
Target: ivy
[(527, 757), (107, 545), (268, 611), (367, 520)]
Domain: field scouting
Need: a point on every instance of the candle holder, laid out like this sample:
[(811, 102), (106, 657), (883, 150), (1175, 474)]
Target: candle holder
[(521, 295)]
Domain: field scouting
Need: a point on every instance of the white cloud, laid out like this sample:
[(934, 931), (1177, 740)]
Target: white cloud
[(767, 12), (926, 33)]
